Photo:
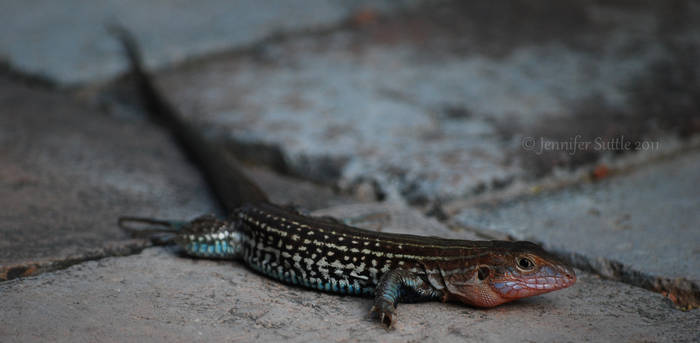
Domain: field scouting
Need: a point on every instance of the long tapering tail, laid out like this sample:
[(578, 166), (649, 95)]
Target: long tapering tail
[(228, 182)]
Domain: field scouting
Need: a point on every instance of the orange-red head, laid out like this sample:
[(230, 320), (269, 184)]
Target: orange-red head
[(514, 270)]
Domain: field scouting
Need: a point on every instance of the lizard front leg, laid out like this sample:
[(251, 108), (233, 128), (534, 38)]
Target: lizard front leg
[(400, 285)]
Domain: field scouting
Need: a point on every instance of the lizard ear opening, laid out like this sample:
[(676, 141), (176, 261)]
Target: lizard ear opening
[(483, 272)]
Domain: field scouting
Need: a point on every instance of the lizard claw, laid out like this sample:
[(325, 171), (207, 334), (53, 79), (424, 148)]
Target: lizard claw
[(387, 315)]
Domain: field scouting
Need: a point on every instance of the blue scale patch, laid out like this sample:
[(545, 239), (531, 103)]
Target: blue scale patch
[(339, 286), (218, 248)]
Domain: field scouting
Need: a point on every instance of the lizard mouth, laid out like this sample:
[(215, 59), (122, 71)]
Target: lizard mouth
[(542, 282)]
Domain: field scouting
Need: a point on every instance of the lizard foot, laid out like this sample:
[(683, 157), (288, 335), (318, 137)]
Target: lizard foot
[(387, 314)]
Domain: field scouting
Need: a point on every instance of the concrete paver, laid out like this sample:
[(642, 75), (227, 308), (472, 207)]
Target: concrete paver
[(392, 217), (161, 297), (69, 171), (299, 193), (67, 41), (647, 220), (432, 104)]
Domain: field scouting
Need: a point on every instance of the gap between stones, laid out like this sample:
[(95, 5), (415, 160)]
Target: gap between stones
[(131, 247)]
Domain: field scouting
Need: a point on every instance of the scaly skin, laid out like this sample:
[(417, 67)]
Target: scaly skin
[(332, 257)]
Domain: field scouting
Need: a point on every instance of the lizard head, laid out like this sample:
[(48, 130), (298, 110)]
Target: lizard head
[(517, 270)]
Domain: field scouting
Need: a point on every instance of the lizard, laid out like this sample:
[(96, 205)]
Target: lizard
[(327, 255)]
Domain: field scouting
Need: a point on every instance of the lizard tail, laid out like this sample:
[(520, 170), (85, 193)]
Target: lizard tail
[(231, 186), (146, 227)]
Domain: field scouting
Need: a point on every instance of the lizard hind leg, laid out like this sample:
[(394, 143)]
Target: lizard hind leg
[(205, 236), (210, 237)]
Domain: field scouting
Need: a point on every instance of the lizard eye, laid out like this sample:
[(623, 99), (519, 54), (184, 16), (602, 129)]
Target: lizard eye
[(525, 264)]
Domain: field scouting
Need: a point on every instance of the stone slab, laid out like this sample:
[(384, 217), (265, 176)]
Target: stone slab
[(68, 171), (392, 217), (159, 296), (299, 193), (646, 219), (67, 42), (437, 102)]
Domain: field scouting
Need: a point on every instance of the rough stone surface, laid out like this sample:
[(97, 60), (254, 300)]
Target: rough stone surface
[(68, 41), (418, 105), (437, 103), (295, 192), (392, 217), (162, 297), (647, 220), (69, 171)]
